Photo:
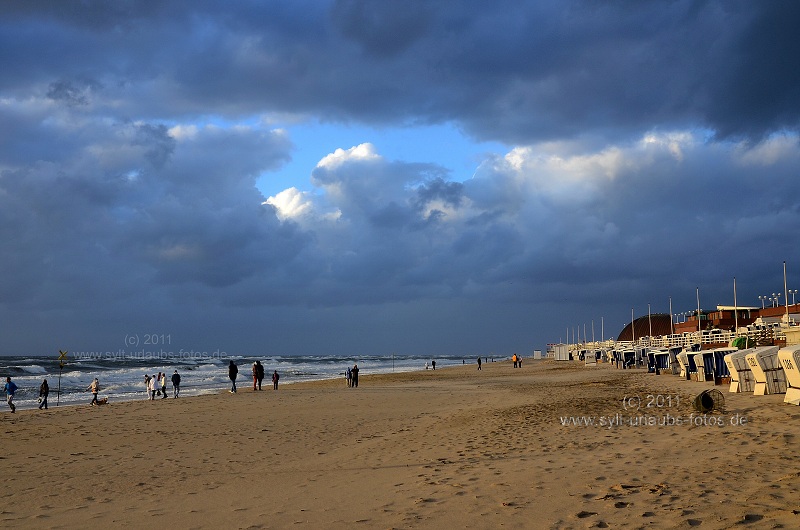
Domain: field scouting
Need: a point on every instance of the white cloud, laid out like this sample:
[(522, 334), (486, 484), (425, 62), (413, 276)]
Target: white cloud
[(292, 204), (365, 151)]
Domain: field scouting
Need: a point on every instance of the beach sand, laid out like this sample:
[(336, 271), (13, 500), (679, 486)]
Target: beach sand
[(451, 448)]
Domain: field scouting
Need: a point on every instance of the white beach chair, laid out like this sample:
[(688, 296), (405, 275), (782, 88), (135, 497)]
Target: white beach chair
[(589, 358), (790, 361), (686, 362), (674, 365), (742, 379), (767, 371), (704, 362)]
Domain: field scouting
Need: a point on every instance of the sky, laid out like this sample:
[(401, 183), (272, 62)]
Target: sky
[(358, 177)]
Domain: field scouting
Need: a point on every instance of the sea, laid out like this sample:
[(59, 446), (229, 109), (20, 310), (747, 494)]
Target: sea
[(121, 377)]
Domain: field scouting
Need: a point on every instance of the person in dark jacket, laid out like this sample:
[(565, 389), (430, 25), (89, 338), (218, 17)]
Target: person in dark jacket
[(275, 378), (233, 371), (260, 368), (44, 391), (176, 384)]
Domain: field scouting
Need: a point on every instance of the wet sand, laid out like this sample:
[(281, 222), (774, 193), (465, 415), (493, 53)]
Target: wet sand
[(454, 447)]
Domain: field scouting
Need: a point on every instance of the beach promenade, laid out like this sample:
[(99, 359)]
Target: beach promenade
[(549, 445)]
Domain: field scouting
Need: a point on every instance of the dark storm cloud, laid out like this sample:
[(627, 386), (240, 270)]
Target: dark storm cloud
[(652, 147), (518, 72)]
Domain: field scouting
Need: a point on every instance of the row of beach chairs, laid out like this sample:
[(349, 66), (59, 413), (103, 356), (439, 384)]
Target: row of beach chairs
[(762, 371)]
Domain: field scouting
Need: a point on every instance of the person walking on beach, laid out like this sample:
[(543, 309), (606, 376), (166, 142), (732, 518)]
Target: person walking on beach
[(260, 374), (233, 371), (176, 384), (255, 376), (147, 385), (94, 388), (9, 388), (164, 385), (479, 363), (275, 378), (44, 391), (514, 359), (348, 374), (433, 364), (151, 387), (355, 376)]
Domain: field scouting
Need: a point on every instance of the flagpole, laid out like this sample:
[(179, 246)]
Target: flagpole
[(785, 292), (735, 312)]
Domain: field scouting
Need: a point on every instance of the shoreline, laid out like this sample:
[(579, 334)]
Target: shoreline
[(207, 389), (425, 449)]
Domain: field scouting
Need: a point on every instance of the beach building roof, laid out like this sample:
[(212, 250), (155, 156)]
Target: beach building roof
[(641, 327)]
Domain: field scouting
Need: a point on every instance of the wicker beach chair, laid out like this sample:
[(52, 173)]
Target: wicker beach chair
[(767, 371), (790, 361), (742, 379)]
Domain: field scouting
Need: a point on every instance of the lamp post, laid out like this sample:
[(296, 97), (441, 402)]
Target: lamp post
[(762, 298), (794, 292)]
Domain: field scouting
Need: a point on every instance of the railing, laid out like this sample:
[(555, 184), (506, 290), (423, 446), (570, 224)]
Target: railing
[(686, 340)]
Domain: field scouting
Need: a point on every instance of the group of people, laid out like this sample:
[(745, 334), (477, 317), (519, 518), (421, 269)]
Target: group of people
[(157, 385), (351, 374), (10, 388), (517, 359), (258, 376)]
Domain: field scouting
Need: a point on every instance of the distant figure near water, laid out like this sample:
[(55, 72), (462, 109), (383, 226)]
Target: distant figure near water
[(355, 375), (260, 374), (94, 388), (176, 384), (275, 378), (9, 388), (44, 391), (479, 363), (233, 371)]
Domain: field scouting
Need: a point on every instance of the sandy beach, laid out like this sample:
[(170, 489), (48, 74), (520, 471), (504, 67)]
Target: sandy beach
[(453, 448)]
